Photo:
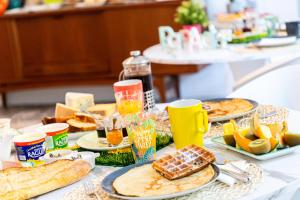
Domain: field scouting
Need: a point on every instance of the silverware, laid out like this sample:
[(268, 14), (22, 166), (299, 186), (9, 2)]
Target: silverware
[(90, 189), (241, 175)]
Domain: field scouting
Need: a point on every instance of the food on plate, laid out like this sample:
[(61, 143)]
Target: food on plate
[(241, 140), (145, 181), (251, 136), (184, 162), (260, 146), (292, 139), (77, 122), (106, 110), (80, 101), (62, 111), (77, 125), (84, 117), (260, 138), (228, 107), (264, 132), (25, 183), (228, 134)]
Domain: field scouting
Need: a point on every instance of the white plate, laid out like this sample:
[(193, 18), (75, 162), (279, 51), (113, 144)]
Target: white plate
[(76, 135), (274, 154), (91, 142), (276, 42), (107, 185)]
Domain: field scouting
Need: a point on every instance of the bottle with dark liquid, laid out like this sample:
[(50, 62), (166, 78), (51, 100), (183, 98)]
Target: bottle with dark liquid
[(139, 67)]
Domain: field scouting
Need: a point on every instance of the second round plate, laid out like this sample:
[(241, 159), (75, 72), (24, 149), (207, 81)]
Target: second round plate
[(92, 142)]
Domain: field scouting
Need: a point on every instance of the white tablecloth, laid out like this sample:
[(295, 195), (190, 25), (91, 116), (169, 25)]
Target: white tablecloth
[(273, 186)]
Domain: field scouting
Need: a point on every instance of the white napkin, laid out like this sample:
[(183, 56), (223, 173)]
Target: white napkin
[(228, 180)]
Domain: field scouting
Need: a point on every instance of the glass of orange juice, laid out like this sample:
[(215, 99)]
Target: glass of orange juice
[(114, 132), (129, 96)]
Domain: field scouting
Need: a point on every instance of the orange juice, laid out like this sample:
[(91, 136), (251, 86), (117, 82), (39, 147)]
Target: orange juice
[(129, 106), (114, 136)]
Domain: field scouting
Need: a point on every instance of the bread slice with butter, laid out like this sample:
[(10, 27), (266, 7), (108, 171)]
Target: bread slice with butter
[(79, 101), (106, 109)]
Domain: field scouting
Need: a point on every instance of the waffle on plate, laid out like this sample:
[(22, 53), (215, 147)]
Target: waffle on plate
[(184, 162)]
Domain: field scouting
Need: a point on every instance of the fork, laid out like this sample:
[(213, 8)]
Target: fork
[(90, 189)]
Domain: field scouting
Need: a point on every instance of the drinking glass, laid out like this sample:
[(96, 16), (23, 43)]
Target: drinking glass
[(114, 133), (142, 136), (129, 96)]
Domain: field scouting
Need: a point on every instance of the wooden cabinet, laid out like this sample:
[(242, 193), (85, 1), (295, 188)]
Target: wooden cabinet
[(10, 63), (78, 46), (63, 44)]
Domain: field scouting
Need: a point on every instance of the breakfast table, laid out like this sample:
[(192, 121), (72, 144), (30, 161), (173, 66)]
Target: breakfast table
[(280, 177)]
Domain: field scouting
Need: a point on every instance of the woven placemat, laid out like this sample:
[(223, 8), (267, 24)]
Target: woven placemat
[(215, 191), (280, 115)]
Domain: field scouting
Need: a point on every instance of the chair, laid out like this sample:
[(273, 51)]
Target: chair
[(279, 87)]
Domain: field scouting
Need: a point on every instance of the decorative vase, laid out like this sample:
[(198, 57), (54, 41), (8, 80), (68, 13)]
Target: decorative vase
[(190, 26)]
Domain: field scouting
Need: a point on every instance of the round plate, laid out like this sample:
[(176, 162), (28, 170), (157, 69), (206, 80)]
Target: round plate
[(91, 142), (233, 116), (107, 184), (76, 135)]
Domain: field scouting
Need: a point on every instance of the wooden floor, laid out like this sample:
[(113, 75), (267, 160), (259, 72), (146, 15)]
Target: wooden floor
[(26, 116)]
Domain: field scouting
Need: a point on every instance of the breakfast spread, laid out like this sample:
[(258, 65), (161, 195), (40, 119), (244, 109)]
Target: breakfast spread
[(25, 183), (184, 162), (228, 107)]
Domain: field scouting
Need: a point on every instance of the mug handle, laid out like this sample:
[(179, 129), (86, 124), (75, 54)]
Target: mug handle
[(201, 116)]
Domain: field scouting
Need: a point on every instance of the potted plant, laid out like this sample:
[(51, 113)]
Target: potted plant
[(190, 14)]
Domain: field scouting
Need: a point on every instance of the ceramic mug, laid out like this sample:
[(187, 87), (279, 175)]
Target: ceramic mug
[(188, 122)]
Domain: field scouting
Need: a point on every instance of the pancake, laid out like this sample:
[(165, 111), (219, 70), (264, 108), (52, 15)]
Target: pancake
[(228, 107), (145, 181)]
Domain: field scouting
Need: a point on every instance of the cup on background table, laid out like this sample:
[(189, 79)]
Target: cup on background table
[(142, 136), (129, 96), (188, 122)]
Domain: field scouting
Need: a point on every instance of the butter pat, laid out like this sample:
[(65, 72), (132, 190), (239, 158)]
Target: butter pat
[(80, 101)]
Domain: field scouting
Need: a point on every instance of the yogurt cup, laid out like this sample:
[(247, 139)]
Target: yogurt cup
[(57, 135), (30, 146)]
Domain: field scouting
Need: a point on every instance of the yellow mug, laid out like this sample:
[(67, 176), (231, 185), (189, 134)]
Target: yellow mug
[(188, 122)]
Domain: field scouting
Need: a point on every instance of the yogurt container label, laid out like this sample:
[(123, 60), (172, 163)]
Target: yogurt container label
[(30, 146), (31, 152), (57, 141)]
